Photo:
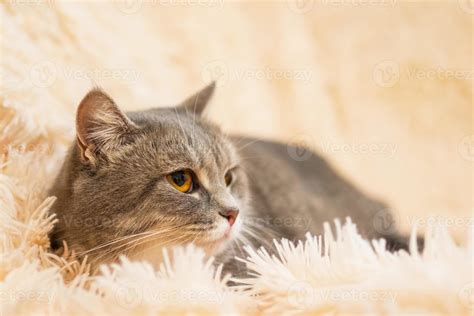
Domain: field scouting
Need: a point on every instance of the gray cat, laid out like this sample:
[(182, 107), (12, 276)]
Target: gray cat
[(133, 183)]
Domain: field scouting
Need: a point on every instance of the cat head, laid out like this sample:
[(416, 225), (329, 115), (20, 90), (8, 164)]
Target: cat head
[(143, 180)]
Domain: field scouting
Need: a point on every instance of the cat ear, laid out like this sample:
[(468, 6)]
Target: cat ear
[(196, 103), (100, 125)]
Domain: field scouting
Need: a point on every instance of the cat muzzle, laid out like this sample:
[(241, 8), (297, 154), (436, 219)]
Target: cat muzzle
[(230, 215)]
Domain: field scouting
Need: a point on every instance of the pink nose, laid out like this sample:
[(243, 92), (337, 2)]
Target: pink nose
[(230, 214)]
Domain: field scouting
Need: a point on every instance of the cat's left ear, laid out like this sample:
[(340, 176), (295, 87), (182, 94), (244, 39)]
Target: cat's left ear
[(101, 126), (196, 103)]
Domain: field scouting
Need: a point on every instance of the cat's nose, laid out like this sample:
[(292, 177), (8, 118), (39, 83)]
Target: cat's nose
[(230, 214)]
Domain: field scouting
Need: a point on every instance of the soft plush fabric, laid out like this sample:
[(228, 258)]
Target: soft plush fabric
[(339, 272), (148, 53)]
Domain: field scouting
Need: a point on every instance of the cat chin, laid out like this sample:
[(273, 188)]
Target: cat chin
[(213, 244), (155, 257), (218, 240)]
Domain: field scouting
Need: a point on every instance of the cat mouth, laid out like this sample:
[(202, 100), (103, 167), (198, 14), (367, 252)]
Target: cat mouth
[(215, 244), (225, 237), (217, 239)]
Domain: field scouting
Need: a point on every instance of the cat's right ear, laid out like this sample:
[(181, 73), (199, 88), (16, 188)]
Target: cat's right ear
[(100, 126), (196, 103)]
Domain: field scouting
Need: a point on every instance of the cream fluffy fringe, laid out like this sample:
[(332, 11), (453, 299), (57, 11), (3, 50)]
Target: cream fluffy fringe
[(322, 275)]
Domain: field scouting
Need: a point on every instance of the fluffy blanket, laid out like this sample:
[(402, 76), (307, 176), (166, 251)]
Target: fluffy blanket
[(347, 274), (44, 73), (336, 273)]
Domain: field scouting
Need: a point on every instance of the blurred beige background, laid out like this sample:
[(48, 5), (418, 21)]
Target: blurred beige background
[(382, 88)]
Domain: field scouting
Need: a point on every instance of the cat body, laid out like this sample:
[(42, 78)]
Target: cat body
[(136, 182)]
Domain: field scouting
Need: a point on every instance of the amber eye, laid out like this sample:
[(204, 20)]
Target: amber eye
[(181, 180), (228, 178)]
